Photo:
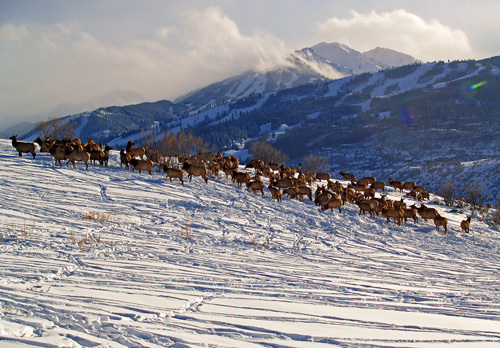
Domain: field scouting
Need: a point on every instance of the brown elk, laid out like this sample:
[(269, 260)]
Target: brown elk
[(409, 185), (292, 192), (323, 176), (411, 213), (74, 156), (173, 173), (23, 146), (275, 192), (366, 207), (398, 185), (283, 183), (367, 180), (124, 158), (256, 164), (348, 176), (332, 203), (441, 221), (153, 155), (396, 213), (304, 191), (140, 165), (44, 144), (240, 177), (465, 224), (427, 213), (105, 158), (135, 151), (58, 152), (255, 185), (322, 198), (96, 155), (195, 170), (378, 185)]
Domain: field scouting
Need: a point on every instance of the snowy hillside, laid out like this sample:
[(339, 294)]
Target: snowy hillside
[(111, 258)]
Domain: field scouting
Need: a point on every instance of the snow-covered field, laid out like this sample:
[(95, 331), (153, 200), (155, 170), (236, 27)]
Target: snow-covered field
[(215, 266)]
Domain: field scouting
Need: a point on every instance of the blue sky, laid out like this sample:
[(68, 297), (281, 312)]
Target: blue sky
[(53, 52)]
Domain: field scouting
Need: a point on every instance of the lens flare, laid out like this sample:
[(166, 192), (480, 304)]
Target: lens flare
[(408, 116), (469, 90), (477, 85)]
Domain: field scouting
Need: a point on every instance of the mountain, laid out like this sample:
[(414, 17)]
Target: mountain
[(113, 258), (361, 122), (20, 129), (387, 58), (322, 62), (344, 56), (119, 97)]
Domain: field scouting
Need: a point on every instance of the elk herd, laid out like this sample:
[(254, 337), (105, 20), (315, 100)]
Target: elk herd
[(368, 194)]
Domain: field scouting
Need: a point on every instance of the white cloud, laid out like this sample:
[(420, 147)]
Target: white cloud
[(216, 39), (13, 33), (163, 32), (63, 62), (398, 30)]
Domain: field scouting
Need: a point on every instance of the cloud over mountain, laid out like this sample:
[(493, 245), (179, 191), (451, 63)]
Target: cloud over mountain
[(399, 30)]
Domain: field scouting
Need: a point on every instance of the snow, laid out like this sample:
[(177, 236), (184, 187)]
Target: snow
[(254, 272)]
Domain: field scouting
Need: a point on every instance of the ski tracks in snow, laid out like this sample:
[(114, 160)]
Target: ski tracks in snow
[(249, 272)]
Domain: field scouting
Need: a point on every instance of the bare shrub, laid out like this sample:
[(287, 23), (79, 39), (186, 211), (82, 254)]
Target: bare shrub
[(56, 128), (263, 151), (448, 192), (186, 231), (476, 196), (97, 216), (183, 144), (316, 164)]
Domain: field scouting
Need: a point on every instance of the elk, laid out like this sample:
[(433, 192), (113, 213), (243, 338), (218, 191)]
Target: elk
[(378, 185), (332, 203), (283, 183), (322, 198), (367, 180), (195, 170), (411, 212), (397, 214), (153, 155), (23, 146), (255, 164), (465, 224), (348, 176), (74, 156), (240, 177), (44, 144), (323, 176), (173, 173), (292, 192), (396, 184), (105, 158), (408, 185), (427, 213), (135, 151), (304, 191), (275, 192), (441, 221), (58, 152), (255, 185), (141, 165), (366, 207), (124, 158), (97, 155)]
